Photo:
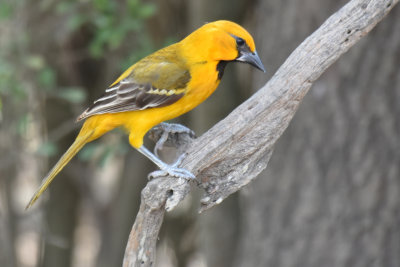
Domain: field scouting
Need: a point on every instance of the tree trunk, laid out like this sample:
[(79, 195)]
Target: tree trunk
[(331, 193)]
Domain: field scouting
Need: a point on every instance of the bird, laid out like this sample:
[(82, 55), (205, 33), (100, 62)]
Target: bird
[(160, 87)]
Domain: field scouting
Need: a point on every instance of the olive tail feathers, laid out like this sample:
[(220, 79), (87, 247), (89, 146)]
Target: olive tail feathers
[(80, 141)]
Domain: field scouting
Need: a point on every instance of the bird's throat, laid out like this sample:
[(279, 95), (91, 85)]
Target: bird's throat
[(221, 68)]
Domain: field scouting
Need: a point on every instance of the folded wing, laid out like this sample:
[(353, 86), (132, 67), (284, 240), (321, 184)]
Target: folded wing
[(162, 85)]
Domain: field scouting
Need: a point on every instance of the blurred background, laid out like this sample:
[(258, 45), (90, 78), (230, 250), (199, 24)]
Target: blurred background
[(330, 195)]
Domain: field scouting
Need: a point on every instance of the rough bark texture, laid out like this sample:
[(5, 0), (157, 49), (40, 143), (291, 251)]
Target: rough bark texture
[(331, 193), (239, 147)]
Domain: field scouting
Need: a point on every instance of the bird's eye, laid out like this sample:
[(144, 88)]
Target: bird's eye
[(240, 41)]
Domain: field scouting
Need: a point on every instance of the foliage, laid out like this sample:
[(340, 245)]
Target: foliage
[(113, 23), (25, 73)]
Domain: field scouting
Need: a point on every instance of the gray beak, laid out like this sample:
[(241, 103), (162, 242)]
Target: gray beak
[(251, 58)]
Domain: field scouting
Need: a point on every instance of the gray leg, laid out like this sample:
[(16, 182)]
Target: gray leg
[(160, 143)]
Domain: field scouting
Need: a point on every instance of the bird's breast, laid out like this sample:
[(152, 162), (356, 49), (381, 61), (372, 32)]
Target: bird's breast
[(204, 80)]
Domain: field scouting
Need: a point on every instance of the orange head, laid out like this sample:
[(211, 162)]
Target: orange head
[(222, 40)]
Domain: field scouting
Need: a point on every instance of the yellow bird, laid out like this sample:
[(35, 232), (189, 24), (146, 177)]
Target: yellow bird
[(160, 87)]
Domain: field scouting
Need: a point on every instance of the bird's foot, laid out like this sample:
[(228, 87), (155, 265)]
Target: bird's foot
[(173, 170)]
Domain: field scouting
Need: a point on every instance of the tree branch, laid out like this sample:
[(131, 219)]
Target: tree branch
[(238, 148)]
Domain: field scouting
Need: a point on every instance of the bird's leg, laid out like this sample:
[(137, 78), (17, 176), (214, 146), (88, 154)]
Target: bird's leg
[(160, 143), (166, 169), (170, 134)]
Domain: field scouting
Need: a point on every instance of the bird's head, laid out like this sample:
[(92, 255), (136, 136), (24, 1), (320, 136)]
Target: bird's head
[(223, 41)]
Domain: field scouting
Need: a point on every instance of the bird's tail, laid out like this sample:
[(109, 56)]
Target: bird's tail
[(83, 138)]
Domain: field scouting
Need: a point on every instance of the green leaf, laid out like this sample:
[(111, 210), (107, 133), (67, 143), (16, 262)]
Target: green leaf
[(147, 10), (75, 22), (6, 10), (87, 152), (47, 149), (132, 5), (1, 110), (35, 62), (104, 5), (22, 125), (106, 155), (116, 37), (47, 77), (63, 7), (75, 95)]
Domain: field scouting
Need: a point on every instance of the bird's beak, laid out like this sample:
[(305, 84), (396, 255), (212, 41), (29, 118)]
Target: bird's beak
[(251, 58)]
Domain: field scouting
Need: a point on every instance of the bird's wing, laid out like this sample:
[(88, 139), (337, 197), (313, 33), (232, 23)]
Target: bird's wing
[(158, 85)]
